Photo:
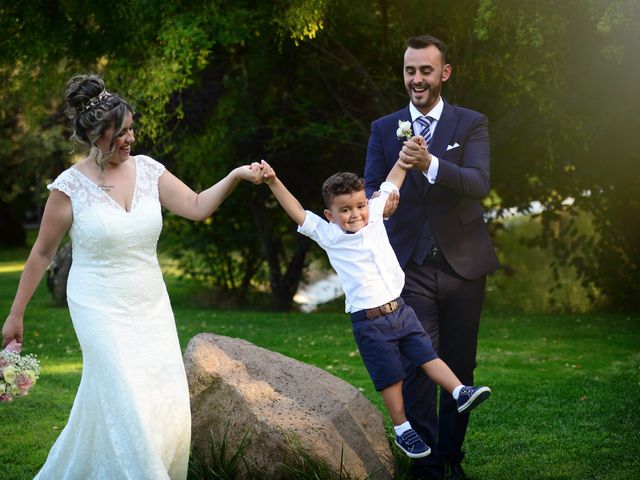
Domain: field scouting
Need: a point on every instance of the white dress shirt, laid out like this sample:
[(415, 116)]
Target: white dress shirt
[(364, 261), (434, 113)]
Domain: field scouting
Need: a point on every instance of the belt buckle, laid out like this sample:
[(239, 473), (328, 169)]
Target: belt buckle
[(389, 307), (385, 309)]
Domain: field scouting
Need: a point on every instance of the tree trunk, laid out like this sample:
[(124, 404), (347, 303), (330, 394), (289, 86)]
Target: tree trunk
[(284, 284)]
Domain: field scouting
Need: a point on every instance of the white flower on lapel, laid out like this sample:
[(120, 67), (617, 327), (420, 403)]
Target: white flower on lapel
[(404, 130)]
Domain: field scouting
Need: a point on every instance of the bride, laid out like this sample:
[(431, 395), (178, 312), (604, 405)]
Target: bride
[(130, 418)]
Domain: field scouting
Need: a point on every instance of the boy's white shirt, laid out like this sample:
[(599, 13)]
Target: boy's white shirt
[(364, 261)]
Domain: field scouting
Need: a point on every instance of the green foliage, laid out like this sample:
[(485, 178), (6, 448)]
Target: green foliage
[(600, 170), (529, 281), (297, 82), (31, 152), (216, 253), (562, 110), (301, 19)]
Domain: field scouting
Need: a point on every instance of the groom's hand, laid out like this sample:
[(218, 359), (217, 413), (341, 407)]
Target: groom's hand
[(255, 173), (415, 153), (392, 203)]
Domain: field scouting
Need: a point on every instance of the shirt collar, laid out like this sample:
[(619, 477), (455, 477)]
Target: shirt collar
[(434, 113)]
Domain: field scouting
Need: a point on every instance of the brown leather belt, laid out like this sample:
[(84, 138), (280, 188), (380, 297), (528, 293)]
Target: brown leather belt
[(385, 309)]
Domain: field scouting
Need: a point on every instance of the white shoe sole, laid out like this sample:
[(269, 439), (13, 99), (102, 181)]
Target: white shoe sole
[(414, 455)]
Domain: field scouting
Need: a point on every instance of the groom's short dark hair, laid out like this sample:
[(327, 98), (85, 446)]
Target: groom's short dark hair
[(339, 184), (423, 41)]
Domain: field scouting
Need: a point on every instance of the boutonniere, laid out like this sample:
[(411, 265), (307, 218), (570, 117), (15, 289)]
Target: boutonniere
[(404, 130)]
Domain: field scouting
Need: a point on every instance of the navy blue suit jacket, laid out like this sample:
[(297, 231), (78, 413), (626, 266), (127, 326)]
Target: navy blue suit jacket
[(452, 204)]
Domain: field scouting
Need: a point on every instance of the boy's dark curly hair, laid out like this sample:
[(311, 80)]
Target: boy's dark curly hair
[(339, 184)]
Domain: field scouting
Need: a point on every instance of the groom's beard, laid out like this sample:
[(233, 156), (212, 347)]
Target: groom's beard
[(425, 100)]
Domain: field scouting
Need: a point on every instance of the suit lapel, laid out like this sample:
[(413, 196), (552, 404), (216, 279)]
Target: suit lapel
[(440, 140), (444, 131)]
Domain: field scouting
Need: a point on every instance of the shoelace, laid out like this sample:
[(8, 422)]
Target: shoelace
[(466, 391)]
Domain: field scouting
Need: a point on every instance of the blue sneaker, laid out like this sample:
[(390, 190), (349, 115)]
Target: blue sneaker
[(412, 445), (471, 397)]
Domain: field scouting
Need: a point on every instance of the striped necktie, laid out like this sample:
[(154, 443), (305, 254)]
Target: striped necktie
[(425, 128)]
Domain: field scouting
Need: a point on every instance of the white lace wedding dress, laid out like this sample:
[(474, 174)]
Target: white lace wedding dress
[(131, 417)]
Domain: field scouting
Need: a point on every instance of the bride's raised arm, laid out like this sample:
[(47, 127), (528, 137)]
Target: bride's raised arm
[(178, 198)]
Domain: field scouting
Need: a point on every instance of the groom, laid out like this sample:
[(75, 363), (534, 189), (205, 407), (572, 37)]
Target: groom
[(440, 238)]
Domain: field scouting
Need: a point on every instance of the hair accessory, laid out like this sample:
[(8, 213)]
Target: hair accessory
[(103, 95)]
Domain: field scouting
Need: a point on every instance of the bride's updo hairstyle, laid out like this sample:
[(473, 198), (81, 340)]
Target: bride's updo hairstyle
[(92, 109)]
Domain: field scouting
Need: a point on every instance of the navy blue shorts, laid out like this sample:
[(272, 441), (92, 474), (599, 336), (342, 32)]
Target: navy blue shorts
[(384, 340)]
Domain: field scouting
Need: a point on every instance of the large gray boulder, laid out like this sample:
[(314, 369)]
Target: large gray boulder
[(237, 387)]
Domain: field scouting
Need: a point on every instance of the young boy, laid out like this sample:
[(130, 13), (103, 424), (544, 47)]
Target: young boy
[(383, 326)]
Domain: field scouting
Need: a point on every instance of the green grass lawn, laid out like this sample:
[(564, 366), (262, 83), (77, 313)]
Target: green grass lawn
[(565, 387)]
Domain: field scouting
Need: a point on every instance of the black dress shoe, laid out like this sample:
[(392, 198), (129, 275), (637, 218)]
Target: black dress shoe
[(454, 471)]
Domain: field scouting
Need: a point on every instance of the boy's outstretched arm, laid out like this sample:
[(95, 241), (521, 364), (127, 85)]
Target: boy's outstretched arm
[(289, 203)]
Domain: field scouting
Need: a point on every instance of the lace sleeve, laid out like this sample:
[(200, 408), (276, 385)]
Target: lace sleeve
[(65, 183), (153, 168), (150, 172)]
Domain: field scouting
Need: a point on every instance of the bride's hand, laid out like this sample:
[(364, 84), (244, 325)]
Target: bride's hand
[(12, 329), (251, 173)]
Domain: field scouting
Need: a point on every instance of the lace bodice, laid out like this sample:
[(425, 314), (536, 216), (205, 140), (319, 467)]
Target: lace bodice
[(102, 231), (84, 192)]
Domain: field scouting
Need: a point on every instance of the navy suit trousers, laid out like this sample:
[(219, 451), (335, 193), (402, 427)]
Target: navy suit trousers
[(449, 308)]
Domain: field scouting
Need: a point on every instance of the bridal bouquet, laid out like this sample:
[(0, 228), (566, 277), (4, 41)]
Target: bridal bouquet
[(17, 373)]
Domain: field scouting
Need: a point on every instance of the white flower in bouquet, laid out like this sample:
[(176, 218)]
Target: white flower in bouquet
[(404, 130), (9, 374)]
